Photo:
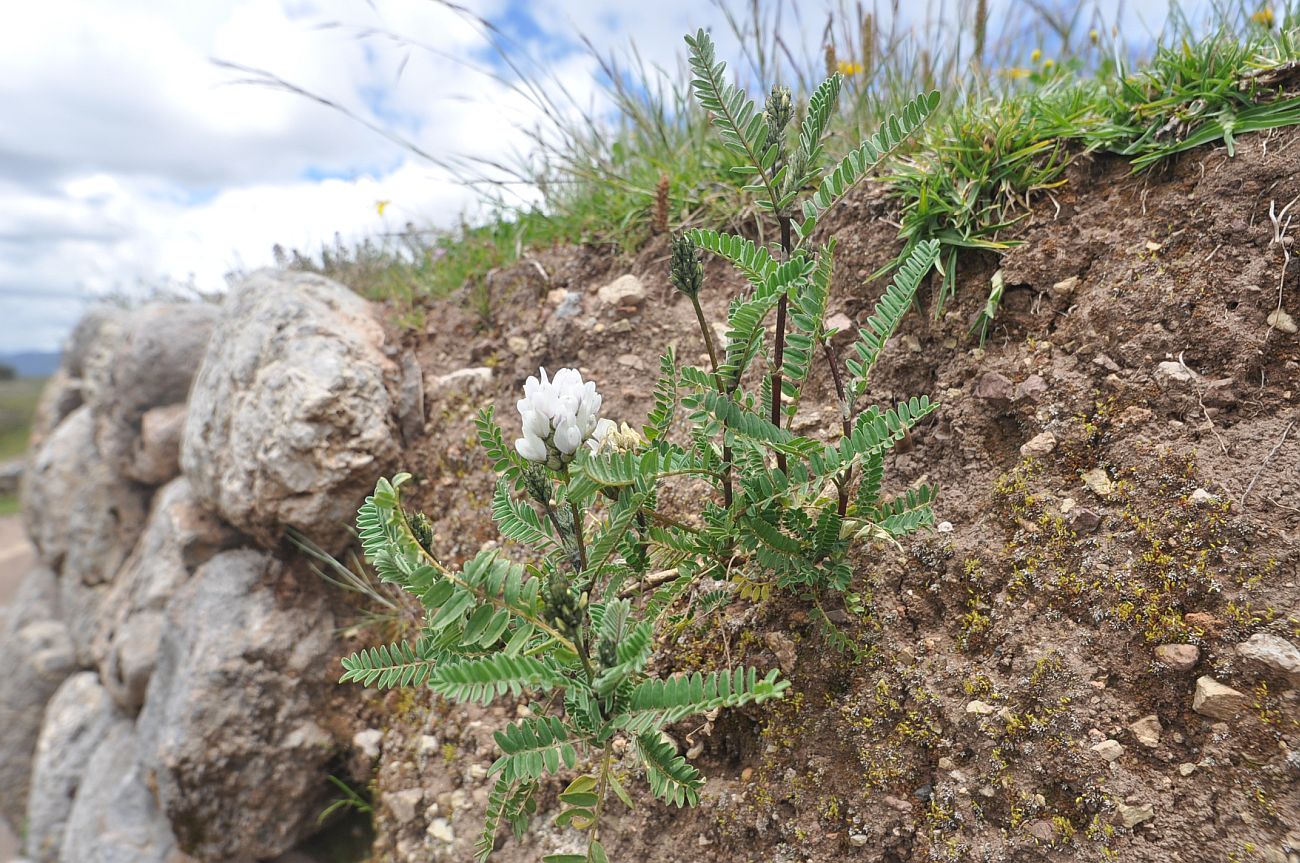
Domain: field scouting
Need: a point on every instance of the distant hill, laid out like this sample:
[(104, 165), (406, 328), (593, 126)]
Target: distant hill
[(32, 364)]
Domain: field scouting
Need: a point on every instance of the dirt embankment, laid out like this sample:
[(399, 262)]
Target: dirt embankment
[(1119, 469)]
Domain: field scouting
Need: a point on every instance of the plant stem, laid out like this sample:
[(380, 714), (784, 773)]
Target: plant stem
[(713, 360), (845, 476), (602, 788), (577, 534), (778, 354)]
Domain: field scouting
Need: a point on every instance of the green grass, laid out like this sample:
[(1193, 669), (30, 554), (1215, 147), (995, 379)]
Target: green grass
[(18, 400), (1012, 121)]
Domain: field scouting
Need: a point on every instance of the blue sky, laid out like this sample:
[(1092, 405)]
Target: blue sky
[(129, 160)]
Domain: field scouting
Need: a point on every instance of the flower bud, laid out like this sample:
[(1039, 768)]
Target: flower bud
[(685, 270)]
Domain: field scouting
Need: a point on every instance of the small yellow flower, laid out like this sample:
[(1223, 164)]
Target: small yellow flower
[(1016, 73), (848, 68), (380, 206), (1094, 36), (1035, 56), (1263, 17), (1048, 64)]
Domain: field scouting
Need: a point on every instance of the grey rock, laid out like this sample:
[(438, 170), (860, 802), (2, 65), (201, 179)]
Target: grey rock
[(994, 386), (1220, 393), (570, 305), (410, 399), (1217, 701), (114, 818), (38, 656), (83, 519), (405, 804), (60, 397), (1032, 388), (78, 717), (156, 455), (227, 732), (290, 417), (1175, 371), (1147, 731), (1131, 816), (1178, 657), (1273, 652), (624, 291), (1039, 445), (460, 382), (85, 336), (1084, 520), (144, 358), (179, 536), (1280, 319), (1109, 750)]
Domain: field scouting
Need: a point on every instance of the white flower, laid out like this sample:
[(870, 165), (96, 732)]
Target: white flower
[(559, 415)]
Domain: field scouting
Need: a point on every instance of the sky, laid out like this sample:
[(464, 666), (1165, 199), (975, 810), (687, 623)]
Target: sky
[(130, 159)]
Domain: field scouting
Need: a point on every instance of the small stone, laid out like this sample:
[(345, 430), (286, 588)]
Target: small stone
[(368, 741), (428, 744), (555, 296), (946, 763), (623, 291), (632, 361), (404, 804), (1065, 287), (1217, 701), (1032, 388), (1278, 319), (1105, 362), (463, 381), (440, 830), (783, 647), (747, 774), (1219, 393), (1067, 504), (1131, 816), (994, 387), (840, 323), (1147, 731), (1039, 445), (1098, 482), (944, 527), (1201, 497), (1273, 652), (1110, 750), (518, 345), (859, 839), (1084, 521), (1041, 829), (897, 804), (1135, 416), (1153, 246), (570, 305), (1187, 768), (1175, 371), (979, 708)]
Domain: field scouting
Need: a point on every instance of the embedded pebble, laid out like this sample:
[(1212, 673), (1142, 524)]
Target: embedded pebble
[(1131, 816), (1217, 701), (1278, 319), (624, 291), (1273, 652), (1178, 657), (368, 741), (1110, 750), (1039, 445), (1147, 731), (979, 708)]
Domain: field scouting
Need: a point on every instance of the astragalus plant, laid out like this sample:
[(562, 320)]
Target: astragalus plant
[(777, 509)]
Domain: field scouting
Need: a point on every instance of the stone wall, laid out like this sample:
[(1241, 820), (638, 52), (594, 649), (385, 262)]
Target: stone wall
[(166, 658)]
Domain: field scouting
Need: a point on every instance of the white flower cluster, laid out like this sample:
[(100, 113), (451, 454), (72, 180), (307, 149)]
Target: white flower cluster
[(559, 416)]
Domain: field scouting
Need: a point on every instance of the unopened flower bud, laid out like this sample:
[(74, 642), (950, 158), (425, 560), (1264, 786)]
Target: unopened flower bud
[(685, 270)]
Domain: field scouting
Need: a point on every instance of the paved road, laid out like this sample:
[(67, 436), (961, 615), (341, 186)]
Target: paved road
[(16, 558)]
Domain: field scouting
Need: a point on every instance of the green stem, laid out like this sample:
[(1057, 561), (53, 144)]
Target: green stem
[(717, 379), (602, 788)]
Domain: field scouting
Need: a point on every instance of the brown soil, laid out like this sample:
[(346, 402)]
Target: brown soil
[(1044, 611)]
